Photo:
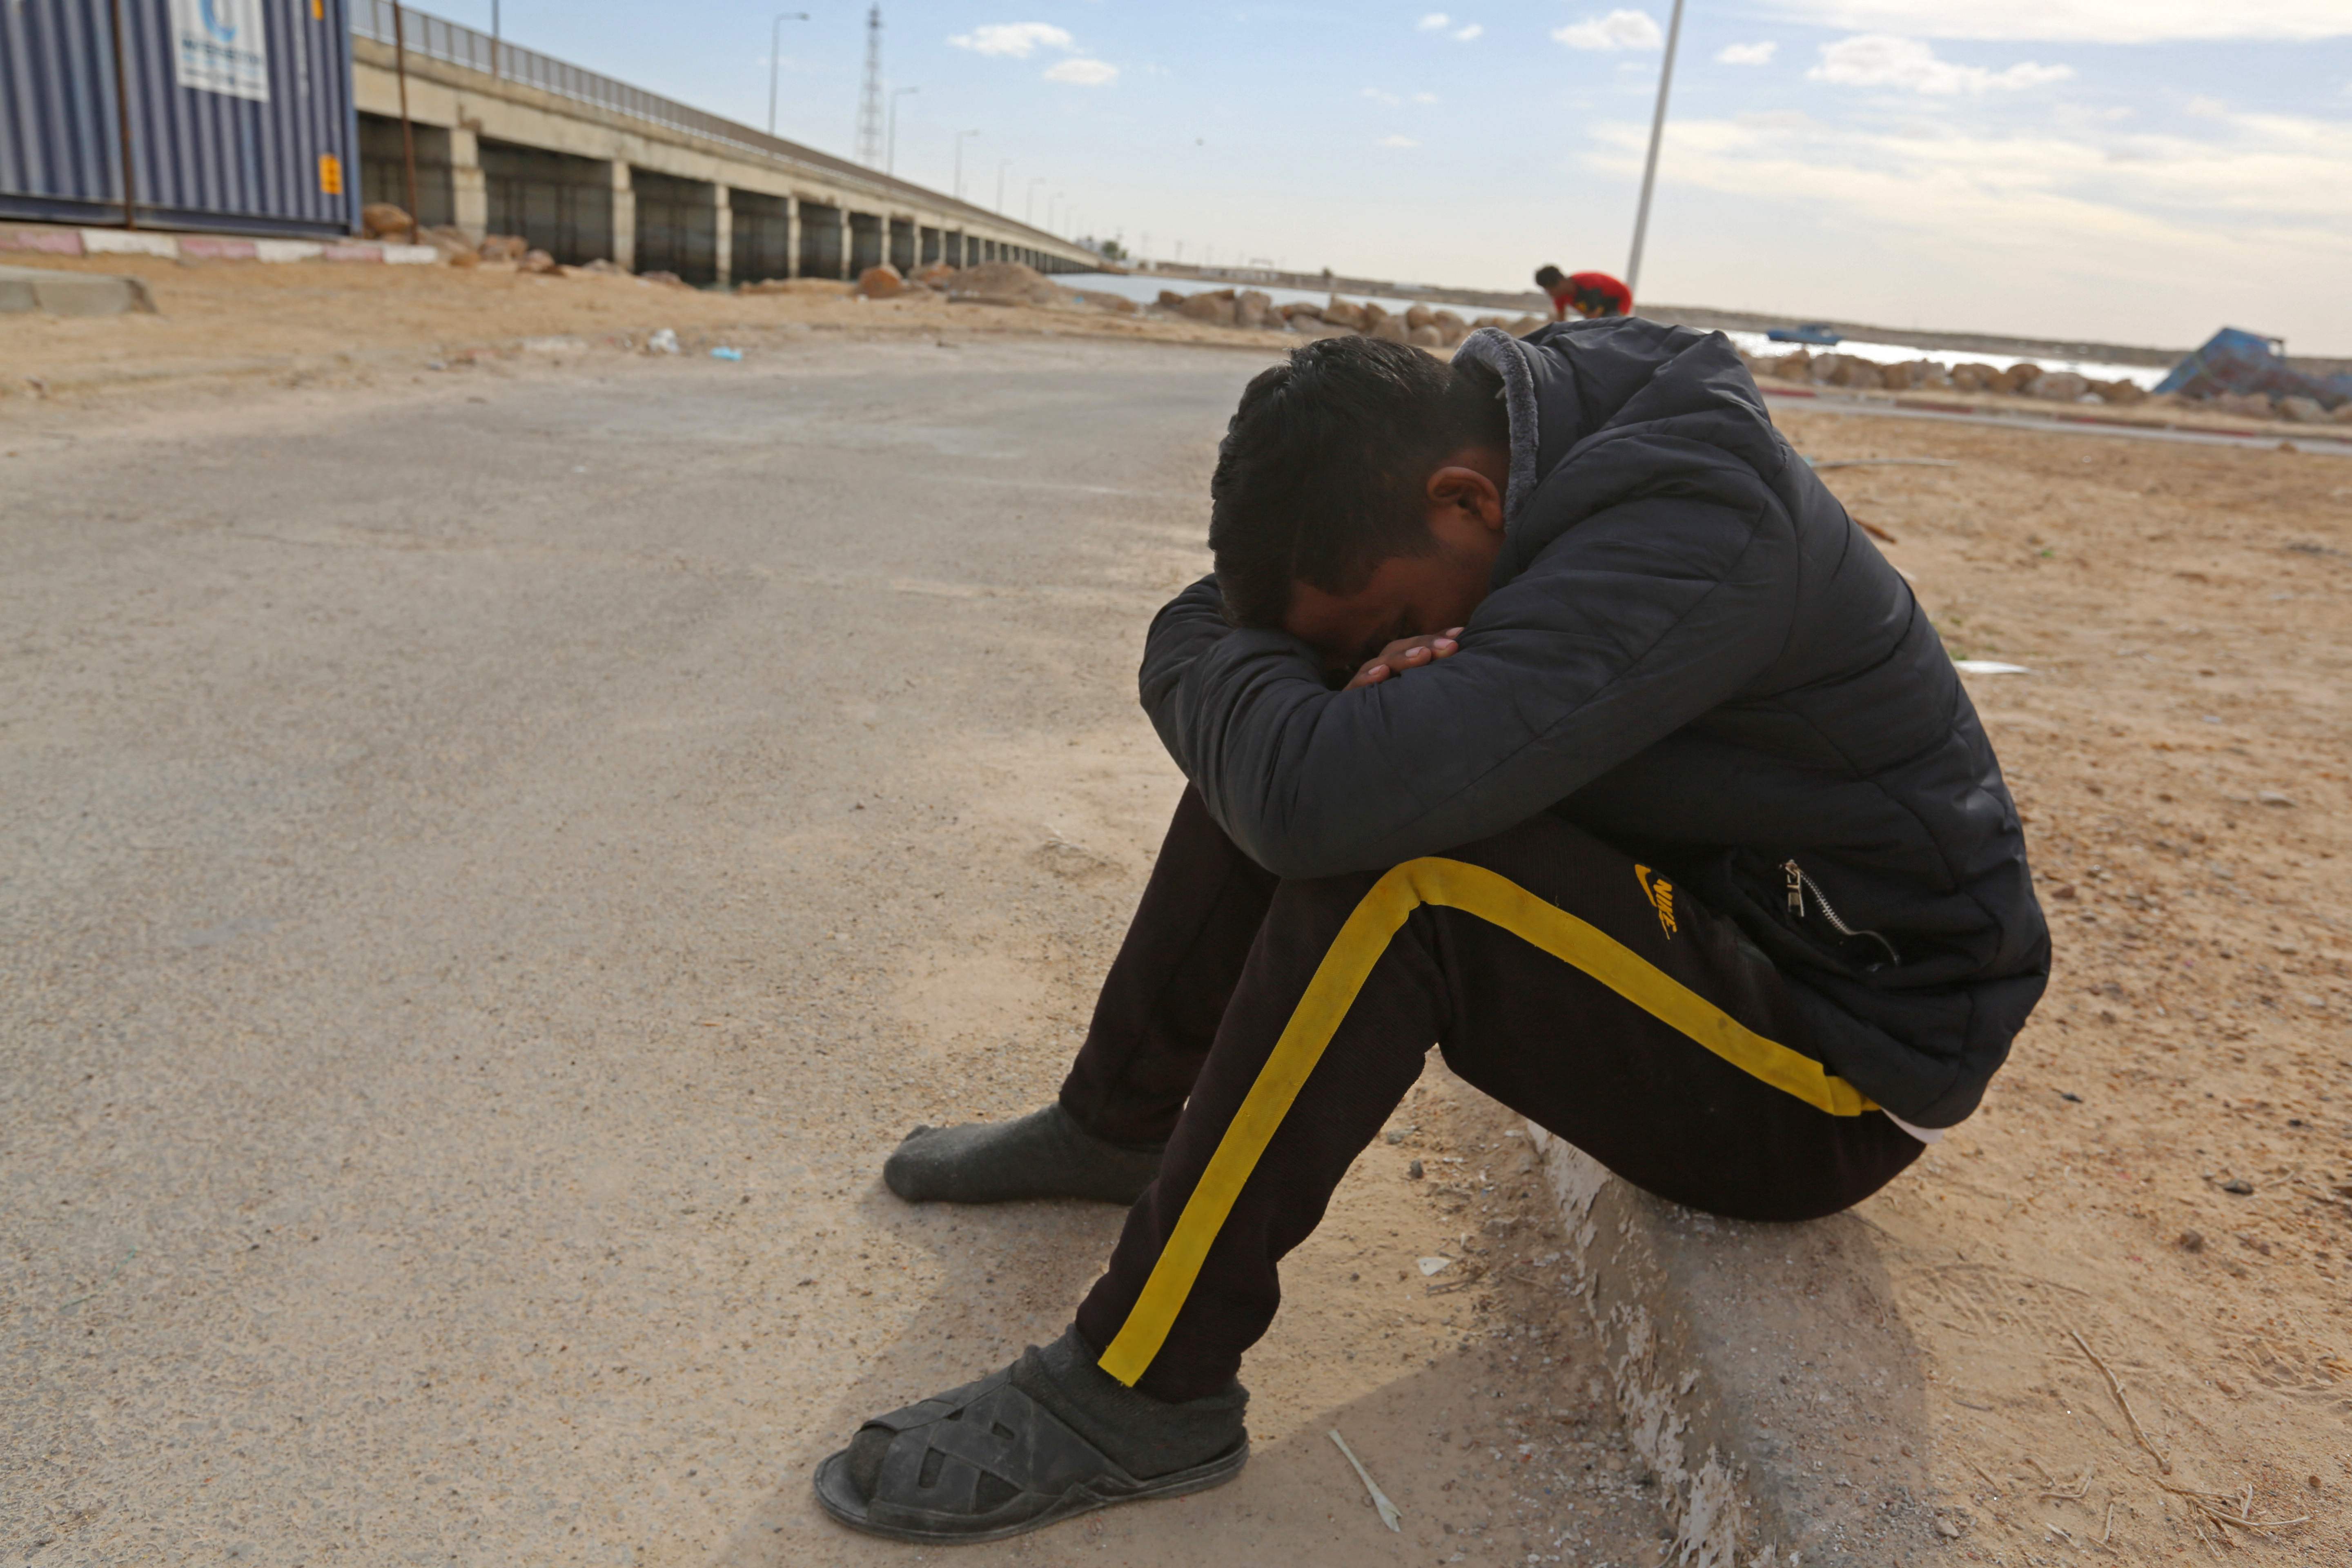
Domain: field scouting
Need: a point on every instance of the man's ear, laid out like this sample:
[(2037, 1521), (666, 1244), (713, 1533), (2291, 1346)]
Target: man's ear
[(1467, 493)]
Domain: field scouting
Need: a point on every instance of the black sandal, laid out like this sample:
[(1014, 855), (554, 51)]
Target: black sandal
[(986, 1461)]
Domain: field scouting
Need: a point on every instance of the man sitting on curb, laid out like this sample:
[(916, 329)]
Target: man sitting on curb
[(1544, 706)]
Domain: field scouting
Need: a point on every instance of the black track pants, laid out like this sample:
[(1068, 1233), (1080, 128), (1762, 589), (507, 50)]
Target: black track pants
[(1266, 1028)]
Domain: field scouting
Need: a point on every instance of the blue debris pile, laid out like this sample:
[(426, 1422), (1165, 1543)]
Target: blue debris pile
[(2249, 373)]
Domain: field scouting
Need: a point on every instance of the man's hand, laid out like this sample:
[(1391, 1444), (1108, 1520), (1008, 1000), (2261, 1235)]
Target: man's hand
[(1406, 653)]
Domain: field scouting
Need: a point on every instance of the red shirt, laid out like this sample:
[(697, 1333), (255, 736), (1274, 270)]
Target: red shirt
[(1591, 294)]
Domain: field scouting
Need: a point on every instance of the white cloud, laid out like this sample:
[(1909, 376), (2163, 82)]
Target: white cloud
[(1436, 21), (1018, 39), (1425, 97), (1082, 72), (1399, 141), (1617, 30), (2080, 21), (1747, 54), (1881, 59), (1466, 35)]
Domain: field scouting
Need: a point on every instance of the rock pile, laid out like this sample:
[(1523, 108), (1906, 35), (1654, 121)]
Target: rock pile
[(1431, 327), (2023, 380)]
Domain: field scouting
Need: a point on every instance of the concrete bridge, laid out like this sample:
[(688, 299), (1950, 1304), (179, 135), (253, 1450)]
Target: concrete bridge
[(511, 141)]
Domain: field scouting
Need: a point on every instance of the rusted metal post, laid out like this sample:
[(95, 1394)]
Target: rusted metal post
[(122, 124), (407, 133)]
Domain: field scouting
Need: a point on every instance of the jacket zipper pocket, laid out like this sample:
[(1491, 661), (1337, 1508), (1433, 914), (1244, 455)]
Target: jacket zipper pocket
[(1800, 884)]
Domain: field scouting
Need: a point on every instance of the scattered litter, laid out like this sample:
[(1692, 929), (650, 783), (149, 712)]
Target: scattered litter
[(2069, 1096), (732, 355), (1388, 1514), (2240, 1186), (1884, 463), (1429, 1265), (663, 341), (2272, 797), (1987, 666), (1413, 1171), (1874, 532), (2192, 1241)]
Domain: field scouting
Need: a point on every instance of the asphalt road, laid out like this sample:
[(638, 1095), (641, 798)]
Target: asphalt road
[(487, 871)]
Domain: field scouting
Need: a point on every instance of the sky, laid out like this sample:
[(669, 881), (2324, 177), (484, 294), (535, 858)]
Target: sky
[(2127, 171)]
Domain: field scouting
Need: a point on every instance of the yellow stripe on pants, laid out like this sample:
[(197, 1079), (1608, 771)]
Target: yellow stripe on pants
[(1474, 890)]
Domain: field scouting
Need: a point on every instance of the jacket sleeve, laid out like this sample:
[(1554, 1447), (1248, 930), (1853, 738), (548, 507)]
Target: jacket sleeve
[(1633, 623)]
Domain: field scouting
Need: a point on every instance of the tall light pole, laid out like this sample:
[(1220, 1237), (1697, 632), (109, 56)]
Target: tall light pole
[(1029, 207), (1650, 168), (1001, 164), (1056, 196), (776, 47), (959, 163), (890, 156)]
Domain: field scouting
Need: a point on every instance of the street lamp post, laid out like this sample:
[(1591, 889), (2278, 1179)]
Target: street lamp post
[(958, 162), (776, 47), (1650, 168), (1001, 164), (890, 156), (1029, 207)]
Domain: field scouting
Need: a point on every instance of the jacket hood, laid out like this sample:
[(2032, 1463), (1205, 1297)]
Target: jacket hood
[(1574, 391)]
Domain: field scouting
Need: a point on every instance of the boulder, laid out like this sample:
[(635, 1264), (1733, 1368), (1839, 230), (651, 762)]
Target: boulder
[(2060, 386), (1215, 308), (2341, 413), (2123, 394), (2303, 410), (1346, 313), (503, 248), (1447, 321), (882, 282), (1425, 337), (1390, 329), (380, 219), (1375, 315), (1170, 299), (1520, 326), (1004, 283), (601, 267), (2016, 380), (1419, 316), (2251, 404), (1973, 375), (1299, 308), (1489, 320), (538, 261), (935, 275), (1251, 307), (666, 279), (1118, 304)]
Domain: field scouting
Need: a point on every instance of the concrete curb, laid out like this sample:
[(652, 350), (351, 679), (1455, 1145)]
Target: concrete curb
[(58, 293), (59, 241), (1762, 1372)]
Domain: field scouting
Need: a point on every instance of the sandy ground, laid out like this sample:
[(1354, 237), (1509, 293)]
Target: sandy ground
[(242, 324), (297, 728), (2165, 1168), (490, 872), (224, 326)]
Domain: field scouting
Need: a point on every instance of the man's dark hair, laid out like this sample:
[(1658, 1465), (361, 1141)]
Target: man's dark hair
[(1549, 277), (1321, 476)]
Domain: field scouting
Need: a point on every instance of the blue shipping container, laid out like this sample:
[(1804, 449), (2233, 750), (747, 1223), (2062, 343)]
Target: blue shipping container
[(241, 115)]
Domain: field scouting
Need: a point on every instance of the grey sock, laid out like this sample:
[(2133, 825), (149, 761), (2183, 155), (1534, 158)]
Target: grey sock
[(1143, 1435), (1042, 1156)]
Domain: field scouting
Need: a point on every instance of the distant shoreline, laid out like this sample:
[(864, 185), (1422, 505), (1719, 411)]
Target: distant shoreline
[(1705, 318)]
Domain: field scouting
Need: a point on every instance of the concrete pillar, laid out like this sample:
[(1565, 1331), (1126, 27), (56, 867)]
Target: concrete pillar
[(722, 237), (848, 244), (469, 192), (791, 236), (625, 218)]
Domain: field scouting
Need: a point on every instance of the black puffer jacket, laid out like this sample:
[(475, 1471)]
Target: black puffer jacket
[(1693, 652)]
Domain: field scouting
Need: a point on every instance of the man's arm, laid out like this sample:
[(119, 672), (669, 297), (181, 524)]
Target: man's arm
[(1639, 620)]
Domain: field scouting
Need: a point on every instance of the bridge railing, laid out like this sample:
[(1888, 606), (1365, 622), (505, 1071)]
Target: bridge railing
[(437, 37)]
